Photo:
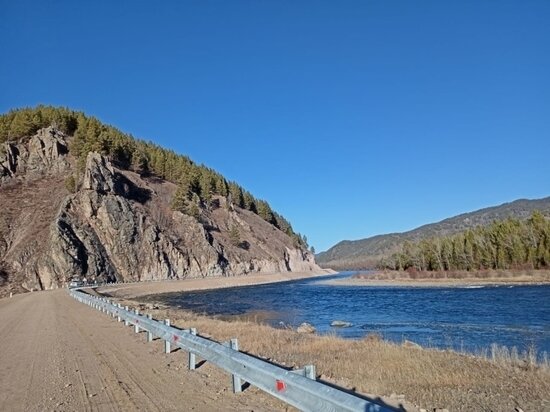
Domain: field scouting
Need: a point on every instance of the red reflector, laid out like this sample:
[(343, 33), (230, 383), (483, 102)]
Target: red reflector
[(175, 338), (280, 385)]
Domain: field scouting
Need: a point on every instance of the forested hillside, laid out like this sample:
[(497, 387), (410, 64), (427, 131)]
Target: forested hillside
[(196, 183), (506, 244), (367, 253)]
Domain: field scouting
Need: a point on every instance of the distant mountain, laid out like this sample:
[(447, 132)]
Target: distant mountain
[(365, 253)]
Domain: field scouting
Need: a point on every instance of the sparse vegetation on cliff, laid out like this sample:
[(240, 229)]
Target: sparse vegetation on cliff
[(197, 183), (113, 216)]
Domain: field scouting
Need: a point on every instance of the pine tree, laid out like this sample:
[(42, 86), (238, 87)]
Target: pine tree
[(234, 235)]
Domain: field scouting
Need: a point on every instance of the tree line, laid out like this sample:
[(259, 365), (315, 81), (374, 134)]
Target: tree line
[(197, 184), (506, 244)]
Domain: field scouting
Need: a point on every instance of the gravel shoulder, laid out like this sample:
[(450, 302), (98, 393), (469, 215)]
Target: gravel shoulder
[(57, 354)]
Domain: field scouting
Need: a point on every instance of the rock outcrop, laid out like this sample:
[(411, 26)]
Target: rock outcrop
[(45, 153), (118, 226)]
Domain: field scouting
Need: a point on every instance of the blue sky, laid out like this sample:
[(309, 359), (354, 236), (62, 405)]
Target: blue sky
[(351, 118)]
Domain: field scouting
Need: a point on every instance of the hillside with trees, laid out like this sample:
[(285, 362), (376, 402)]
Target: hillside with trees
[(81, 199), (369, 252), (197, 184), (509, 244)]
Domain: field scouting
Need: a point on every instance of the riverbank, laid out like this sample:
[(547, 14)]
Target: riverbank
[(441, 279), (405, 374), (135, 290)]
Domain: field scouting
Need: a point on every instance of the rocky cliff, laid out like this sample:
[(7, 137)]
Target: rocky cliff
[(104, 223)]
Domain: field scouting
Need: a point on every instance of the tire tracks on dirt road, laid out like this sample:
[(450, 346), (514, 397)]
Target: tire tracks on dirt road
[(59, 355)]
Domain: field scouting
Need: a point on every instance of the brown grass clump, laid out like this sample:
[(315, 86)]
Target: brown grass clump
[(429, 378)]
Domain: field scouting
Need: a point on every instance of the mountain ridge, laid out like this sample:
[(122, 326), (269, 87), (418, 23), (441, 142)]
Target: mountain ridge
[(66, 216), (367, 252)]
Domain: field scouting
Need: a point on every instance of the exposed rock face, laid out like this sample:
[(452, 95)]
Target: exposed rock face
[(43, 154), (118, 226)]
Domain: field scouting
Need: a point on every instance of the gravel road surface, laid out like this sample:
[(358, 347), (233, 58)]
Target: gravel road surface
[(59, 355)]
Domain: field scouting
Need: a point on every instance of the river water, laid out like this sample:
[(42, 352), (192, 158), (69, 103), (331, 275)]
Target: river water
[(462, 318)]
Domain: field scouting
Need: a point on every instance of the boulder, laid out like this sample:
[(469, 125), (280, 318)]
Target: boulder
[(305, 328), (340, 324)]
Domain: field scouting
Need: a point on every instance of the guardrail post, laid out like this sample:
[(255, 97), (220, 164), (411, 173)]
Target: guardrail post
[(192, 359), (136, 325), (11, 294), (167, 342), (126, 323), (309, 372), (237, 385), (149, 334), (118, 309)]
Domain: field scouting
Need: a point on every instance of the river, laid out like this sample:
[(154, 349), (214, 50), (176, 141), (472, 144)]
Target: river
[(462, 318)]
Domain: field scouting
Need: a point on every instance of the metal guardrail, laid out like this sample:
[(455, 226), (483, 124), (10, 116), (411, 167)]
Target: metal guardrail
[(297, 388)]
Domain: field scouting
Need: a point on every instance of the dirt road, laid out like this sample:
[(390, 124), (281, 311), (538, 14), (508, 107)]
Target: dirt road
[(59, 355)]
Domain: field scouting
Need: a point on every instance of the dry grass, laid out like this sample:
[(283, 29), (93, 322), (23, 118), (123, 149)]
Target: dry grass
[(516, 275), (527, 359), (429, 378)]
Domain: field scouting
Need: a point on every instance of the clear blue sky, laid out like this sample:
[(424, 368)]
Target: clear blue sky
[(352, 118)]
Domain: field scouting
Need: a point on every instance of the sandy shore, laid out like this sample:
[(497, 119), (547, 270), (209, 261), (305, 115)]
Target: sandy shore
[(439, 283), (134, 290)]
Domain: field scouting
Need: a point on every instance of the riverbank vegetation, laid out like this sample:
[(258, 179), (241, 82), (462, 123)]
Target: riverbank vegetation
[(413, 277), (505, 245), (496, 379)]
